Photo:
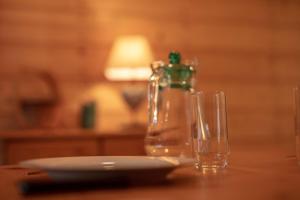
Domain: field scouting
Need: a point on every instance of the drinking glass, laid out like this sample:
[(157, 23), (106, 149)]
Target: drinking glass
[(209, 130), (297, 122)]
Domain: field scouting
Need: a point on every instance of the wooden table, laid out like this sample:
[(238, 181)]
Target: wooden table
[(259, 172)]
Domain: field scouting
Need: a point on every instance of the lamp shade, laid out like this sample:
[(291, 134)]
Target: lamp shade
[(129, 59)]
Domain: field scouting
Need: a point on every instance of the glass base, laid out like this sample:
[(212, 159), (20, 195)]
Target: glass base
[(211, 166), (211, 169), (211, 161)]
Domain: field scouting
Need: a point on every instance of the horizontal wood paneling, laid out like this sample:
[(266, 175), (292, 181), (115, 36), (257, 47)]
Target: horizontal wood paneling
[(249, 49)]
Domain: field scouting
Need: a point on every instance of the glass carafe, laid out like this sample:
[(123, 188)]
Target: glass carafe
[(168, 108)]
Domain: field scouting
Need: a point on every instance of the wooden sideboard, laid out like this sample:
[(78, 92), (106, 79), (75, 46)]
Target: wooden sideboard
[(28, 144)]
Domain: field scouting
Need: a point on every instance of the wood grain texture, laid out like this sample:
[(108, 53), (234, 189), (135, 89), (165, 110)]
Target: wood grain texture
[(249, 49)]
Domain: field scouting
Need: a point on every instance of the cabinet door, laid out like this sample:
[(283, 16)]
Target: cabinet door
[(18, 150)]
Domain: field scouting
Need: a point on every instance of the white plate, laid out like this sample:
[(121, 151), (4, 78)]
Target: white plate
[(106, 167)]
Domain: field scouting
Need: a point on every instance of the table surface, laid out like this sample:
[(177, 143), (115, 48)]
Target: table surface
[(262, 172)]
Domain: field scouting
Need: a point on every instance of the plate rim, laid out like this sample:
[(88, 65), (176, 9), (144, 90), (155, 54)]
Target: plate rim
[(169, 165)]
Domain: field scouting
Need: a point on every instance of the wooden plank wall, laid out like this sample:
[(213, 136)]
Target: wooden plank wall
[(248, 48)]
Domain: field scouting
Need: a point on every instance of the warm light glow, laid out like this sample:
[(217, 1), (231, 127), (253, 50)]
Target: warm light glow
[(127, 73), (129, 59)]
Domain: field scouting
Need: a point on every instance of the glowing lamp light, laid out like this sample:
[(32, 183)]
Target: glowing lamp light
[(129, 59)]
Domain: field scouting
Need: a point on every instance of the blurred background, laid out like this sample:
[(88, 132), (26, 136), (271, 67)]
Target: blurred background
[(54, 56)]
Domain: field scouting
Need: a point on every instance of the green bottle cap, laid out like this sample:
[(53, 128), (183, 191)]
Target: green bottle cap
[(177, 75), (174, 57)]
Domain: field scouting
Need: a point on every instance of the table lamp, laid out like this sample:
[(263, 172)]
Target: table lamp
[(129, 62)]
